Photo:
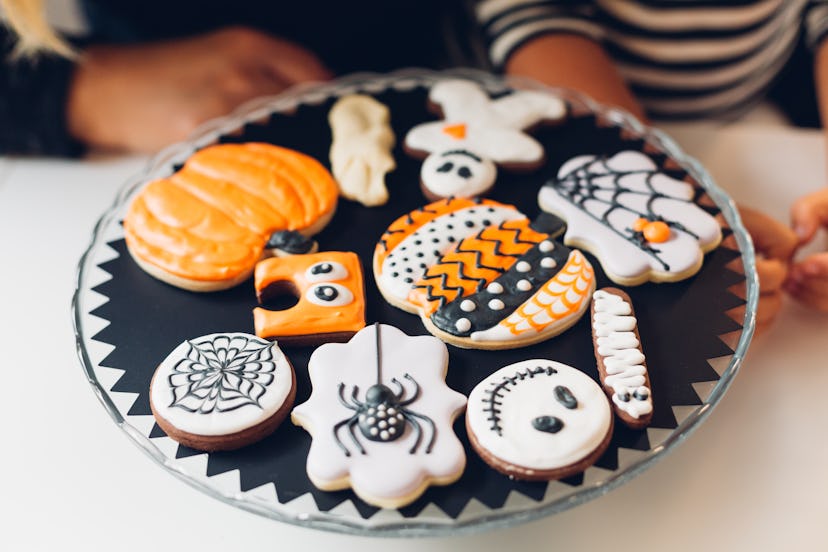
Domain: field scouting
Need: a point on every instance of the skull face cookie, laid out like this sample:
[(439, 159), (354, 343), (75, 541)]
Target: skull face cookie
[(476, 133), (539, 420), (381, 416)]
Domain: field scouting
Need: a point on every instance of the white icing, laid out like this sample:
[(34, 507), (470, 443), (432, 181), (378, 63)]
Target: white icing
[(329, 295), (546, 246), (256, 397), (362, 148), (620, 352), (496, 304), (494, 288), (387, 470), (621, 257), (452, 174), (463, 324), (584, 429), (523, 266), (548, 262), (409, 259), (467, 305), (524, 285), (326, 271)]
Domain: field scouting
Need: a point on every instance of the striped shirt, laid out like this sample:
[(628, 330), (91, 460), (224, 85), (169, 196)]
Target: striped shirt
[(681, 58)]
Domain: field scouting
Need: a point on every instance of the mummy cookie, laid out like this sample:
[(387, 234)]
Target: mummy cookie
[(361, 151), (380, 415), (222, 391), (475, 134), (640, 223), (205, 227), (331, 293), (539, 420), (480, 275), (621, 362)]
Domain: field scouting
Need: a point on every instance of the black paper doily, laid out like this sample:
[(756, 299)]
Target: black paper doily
[(684, 327)]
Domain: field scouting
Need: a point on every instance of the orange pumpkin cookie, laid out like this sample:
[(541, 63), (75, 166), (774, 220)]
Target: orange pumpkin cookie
[(206, 226), (481, 276), (331, 295)]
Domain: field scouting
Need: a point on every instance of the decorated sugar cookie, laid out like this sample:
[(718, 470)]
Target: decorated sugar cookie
[(640, 223), (381, 416), (331, 294), (480, 275), (539, 420), (621, 362), (205, 227), (290, 242), (222, 391), (361, 151), (475, 134)]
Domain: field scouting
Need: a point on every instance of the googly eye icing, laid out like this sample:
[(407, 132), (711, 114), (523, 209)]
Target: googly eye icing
[(329, 295), (326, 271)]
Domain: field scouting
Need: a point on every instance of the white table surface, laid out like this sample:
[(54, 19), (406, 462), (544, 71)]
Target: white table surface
[(753, 477)]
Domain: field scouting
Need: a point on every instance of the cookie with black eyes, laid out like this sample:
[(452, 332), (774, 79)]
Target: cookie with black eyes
[(539, 420), (456, 173), (330, 290)]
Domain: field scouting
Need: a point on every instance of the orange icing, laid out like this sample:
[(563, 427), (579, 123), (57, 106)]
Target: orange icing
[(559, 298), (458, 131), (477, 261), (640, 224), (657, 232), (307, 318), (408, 224), (210, 220)]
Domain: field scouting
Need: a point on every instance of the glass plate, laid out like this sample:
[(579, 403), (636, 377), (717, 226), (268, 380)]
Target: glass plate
[(347, 514)]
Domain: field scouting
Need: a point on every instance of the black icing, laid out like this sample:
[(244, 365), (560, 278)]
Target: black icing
[(547, 424), (483, 317), (148, 319), (495, 395), (322, 268), (565, 397), (326, 293), (290, 242)]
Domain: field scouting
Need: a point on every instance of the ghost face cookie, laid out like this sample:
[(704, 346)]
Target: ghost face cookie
[(539, 420), (640, 223), (476, 133), (380, 415), (222, 391), (206, 226), (480, 275), (331, 293)]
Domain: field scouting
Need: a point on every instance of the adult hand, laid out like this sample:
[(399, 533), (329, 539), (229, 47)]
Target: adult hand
[(143, 97), (775, 244), (808, 279)]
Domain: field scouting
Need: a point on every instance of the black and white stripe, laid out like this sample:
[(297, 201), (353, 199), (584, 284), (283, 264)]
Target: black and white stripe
[(681, 58)]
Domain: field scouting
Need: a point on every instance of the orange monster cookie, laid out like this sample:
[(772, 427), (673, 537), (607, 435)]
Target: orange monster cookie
[(206, 226), (331, 295), (222, 391), (481, 275)]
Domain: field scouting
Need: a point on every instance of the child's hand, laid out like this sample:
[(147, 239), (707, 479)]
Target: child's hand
[(775, 244), (143, 97), (808, 279)]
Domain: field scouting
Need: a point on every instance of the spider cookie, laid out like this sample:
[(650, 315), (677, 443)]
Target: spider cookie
[(481, 276), (222, 391), (539, 420), (476, 134), (362, 148), (380, 415), (640, 223), (205, 227), (331, 294), (621, 362)]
